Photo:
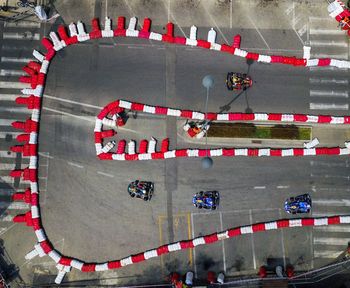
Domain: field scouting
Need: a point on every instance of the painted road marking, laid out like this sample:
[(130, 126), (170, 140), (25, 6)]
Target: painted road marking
[(326, 68), (90, 119), (7, 154), (75, 164), (327, 43), (16, 59), (326, 214), (332, 202), (22, 24), (13, 85), (329, 93), (326, 32), (9, 72), (27, 35), (223, 243), (331, 241), (335, 56), (7, 134), (11, 166), (105, 174), (14, 109), (326, 164), (7, 218), (328, 106), (283, 187), (333, 229), (259, 187), (8, 97), (14, 205), (72, 102), (252, 239), (327, 254)]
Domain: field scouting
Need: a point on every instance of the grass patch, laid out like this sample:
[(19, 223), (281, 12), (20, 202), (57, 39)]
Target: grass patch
[(249, 130)]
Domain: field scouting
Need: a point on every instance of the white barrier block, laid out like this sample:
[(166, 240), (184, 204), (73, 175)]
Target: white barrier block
[(223, 117), (132, 33), (311, 144), (76, 264), (174, 112), (81, 29), (40, 57), (223, 235), (174, 247), (145, 156), (132, 23), (109, 122), (33, 161), (149, 109), (73, 29), (82, 38), (198, 241), (295, 223), (344, 219), (126, 261), (101, 267), (344, 151), (215, 46), (124, 104), (34, 187), (98, 125), (201, 134), (347, 144), (311, 62), (221, 278), (35, 115), (261, 116), (287, 117), (264, 58), (44, 66), (337, 120), (307, 51), (240, 52), (192, 152), (191, 42), (246, 229), (40, 250), (59, 277), (193, 33), (287, 152), (170, 154), (309, 152), (150, 254), (241, 152), (107, 33), (321, 221), (216, 152), (55, 256), (119, 157), (198, 115), (152, 145), (40, 235), (31, 254), (98, 147), (108, 24), (33, 138), (108, 147), (212, 36), (264, 152), (35, 212), (155, 36), (56, 41), (131, 147), (312, 119), (186, 127)]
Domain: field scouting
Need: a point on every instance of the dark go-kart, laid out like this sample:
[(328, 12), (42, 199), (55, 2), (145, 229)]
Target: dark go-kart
[(206, 200), (298, 204), (238, 81), (141, 189)]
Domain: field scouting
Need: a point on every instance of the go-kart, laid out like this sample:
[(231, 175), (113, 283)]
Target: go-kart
[(141, 189), (206, 200), (238, 81), (298, 204)]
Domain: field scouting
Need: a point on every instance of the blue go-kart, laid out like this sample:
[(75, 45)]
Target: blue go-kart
[(206, 200), (298, 204)]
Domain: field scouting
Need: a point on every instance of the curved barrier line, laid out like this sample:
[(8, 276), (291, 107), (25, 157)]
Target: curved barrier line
[(36, 78)]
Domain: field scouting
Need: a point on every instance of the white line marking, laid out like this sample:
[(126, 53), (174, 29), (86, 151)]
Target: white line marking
[(257, 30), (329, 93), (9, 72), (4, 230), (14, 205), (13, 85), (7, 154), (328, 81), (27, 35), (327, 43), (90, 119), (194, 249), (252, 239), (331, 241), (22, 24), (16, 59), (331, 202), (135, 47), (75, 164), (7, 192), (7, 218), (105, 174), (6, 122), (11, 166), (282, 242), (14, 109), (335, 56), (327, 254), (326, 32), (333, 229), (72, 102), (259, 187), (326, 106), (223, 243), (10, 180), (282, 187), (7, 134), (45, 155), (330, 176), (326, 214), (325, 164), (8, 97), (326, 68)]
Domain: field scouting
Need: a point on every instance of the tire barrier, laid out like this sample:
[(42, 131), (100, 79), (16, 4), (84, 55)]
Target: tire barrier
[(32, 98), (104, 118), (341, 13)]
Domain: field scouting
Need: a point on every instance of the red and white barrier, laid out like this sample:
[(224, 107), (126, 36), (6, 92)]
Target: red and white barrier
[(341, 13), (33, 93)]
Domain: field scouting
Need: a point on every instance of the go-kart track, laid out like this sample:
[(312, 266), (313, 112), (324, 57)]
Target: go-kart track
[(37, 76)]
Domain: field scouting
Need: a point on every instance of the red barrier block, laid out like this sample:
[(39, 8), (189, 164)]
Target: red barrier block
[(282, 223), (47, 43), (144, 34), (276, 59), (299, 62), (253, 56), (253, 152), (203, 43), (30, 174), (36, 224), (41, 79), (137, 106), (50, 54), (161, 110), (258, 227), (132, 157), (300, 118), (186, 114), (346, 119), (165, 145), (95, 25), (120, 31), (236, 41), (162, 250), (28, 126), (180, 40), (34, 66), (307, 222), (25, 79), (66, 261), (24, 218), (234, 232), (203, 152), (138, 258), (186, 244), (87, 267), (181, 153), (62, 32), (274, 116), (248, 116), (211, 238), (33, 198), (276, 152), (170, 29), (143, 146), (105, 156), (211, 116), (23, 137), (333, 220), (26, 149), (235, 116), (298, 151), (121, 147), (167, 38), (324, 62), (108, 133), (321, 151), (228, 152), (146, 25), (72, 40), (288, 60), (157, 155), (16, 173), (98, 138), (114, 264), (228, 49), (95, 34), (333, 151), (46, 245), (28, 70), (324, 119), (19, 196)]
